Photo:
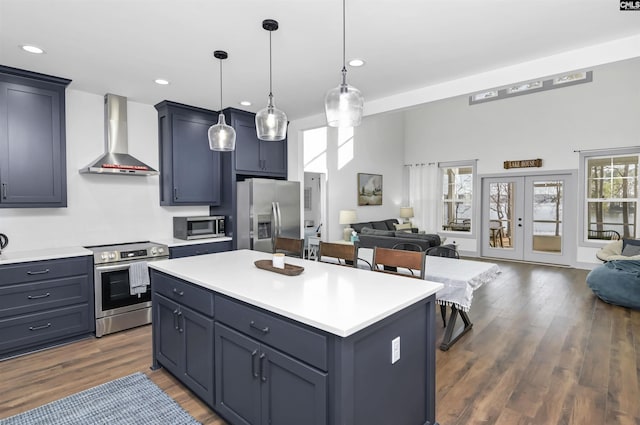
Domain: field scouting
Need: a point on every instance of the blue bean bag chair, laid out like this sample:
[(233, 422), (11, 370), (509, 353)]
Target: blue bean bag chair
[(617, 282)]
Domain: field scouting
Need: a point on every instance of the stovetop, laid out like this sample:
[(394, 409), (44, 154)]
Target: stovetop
[(128, 251)]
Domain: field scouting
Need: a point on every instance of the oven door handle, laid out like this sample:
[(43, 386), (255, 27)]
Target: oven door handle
[(112, 267)]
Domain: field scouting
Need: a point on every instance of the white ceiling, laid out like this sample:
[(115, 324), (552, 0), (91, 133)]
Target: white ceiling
[(121, 46)]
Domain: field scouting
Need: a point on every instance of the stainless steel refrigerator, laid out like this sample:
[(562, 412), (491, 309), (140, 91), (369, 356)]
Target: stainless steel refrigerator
[(267, 209)]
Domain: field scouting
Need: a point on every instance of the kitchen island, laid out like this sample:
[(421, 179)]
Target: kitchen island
[(332, 346)]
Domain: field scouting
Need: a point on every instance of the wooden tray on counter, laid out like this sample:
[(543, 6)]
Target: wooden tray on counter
[(289, 269)]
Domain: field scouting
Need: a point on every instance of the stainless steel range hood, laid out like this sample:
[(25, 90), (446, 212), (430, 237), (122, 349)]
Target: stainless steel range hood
[(117, 160)]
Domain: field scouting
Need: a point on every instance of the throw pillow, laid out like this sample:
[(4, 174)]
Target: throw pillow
[(631, 250), (403, 226), (376, 232), (626, 242)]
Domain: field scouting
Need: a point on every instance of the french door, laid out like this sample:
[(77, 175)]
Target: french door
[(529, 218)]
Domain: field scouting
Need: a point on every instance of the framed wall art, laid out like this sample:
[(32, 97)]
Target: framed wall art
[(369, 189)]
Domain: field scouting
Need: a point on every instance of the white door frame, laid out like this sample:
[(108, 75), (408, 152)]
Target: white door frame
[(522, 230)]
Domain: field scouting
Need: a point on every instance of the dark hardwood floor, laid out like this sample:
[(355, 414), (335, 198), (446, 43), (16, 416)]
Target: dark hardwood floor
[(543, 350)]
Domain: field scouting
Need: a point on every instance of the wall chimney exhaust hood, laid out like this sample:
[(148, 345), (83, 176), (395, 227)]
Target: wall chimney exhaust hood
[(117, 160)]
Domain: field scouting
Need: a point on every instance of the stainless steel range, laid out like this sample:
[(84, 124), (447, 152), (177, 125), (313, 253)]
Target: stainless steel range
[(122, 292)]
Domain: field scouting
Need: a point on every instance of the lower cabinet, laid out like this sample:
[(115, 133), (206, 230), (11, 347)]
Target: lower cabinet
[(184, 345), (256, 384), (199, 249)]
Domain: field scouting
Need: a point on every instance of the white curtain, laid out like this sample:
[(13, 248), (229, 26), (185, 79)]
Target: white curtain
[(423, 196)]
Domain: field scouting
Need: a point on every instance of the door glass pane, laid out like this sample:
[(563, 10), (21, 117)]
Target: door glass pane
[(547, 216), (501, 209)]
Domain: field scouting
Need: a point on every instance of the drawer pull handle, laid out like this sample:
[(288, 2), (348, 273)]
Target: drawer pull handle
[(179, 293), (254, 372), (45, 271), (263, 375), (35, 297), (37, 328), (264, 330)]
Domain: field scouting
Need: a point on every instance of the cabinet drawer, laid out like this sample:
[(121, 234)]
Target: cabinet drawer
[(293, 339), (32, 297), (189, 295), (32, 329), (199, 249), (45, 270)]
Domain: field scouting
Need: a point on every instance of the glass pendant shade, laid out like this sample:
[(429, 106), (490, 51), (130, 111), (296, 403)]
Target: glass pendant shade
[(222, 137), (271, 123), (343, 106)]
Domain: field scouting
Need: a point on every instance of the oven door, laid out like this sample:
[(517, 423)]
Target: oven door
[(113, 294)]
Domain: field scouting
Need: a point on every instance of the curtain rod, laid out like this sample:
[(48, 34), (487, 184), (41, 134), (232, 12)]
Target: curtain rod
[(420, 163), (607, 149)]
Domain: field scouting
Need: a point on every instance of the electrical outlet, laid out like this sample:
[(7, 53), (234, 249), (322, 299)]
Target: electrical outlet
[(395, 350)]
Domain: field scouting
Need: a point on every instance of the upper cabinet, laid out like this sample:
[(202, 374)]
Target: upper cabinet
[(189, 170), (253, 156), (32, 139)]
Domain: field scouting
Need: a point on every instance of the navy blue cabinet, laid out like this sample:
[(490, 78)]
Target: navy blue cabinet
[(253, 156), (199, 249), (184, 344), (190, 172), (256, 384), (45, 303), (32, 140)]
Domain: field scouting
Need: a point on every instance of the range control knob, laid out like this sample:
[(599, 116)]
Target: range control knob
[(154, 251), (104, 256), (160, 250), (112, 255)]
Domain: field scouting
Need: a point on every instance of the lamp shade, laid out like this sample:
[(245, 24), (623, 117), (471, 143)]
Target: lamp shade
[(271, 123), (347, 216), (343, 106), (406, 212), (222, 137)]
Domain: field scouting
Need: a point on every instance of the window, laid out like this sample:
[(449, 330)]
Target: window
[(457, 196), (611, 201)]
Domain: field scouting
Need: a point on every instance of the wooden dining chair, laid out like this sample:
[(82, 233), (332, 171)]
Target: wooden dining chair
[(290, 246), (343, 254), (390, 259)]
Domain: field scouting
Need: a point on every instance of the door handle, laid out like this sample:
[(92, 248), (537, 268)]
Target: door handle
[(4, 190), (175, 193), (264, 330), (37, 328), (263, 375), (30, 273), (254, 371), (175, 319), (35, 297), (180, 319)]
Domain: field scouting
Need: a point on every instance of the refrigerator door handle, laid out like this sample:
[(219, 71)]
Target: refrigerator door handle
[(274, 223), (279, 220)]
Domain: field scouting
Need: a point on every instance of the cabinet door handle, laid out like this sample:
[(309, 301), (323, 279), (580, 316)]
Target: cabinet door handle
[(35, 297), (175, 320), (4, 191), (179, 293), (37, 328), (175, 193), (180, 319), (254, 371), (263, 372), (264, 330), (30, 273)]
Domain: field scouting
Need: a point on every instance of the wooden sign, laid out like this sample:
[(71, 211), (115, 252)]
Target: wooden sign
[(523, 163)]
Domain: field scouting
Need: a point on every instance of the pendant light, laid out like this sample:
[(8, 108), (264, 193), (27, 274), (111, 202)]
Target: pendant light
[(343, 104), (271, 123), (222, 137)]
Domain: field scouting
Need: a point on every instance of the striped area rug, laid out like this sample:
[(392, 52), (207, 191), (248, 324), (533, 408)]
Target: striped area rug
[(132, 400)]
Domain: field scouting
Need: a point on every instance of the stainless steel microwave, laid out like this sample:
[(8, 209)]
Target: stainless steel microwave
[(199, 227)]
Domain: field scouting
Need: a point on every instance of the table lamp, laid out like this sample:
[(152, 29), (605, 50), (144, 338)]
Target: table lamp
[(347, 217), (406, 213)]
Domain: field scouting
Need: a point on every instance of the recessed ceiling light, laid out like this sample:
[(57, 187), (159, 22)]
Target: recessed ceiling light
[(161, 81), (245, 103), (32, 49), (356, 62)]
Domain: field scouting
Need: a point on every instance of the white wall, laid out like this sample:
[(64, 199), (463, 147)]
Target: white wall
[(374, 147), (550, 125), (101, 209)]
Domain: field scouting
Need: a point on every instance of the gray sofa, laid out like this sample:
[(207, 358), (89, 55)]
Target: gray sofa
[(373, 234)]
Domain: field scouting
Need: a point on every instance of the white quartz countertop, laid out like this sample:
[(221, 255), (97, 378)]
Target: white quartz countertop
[(10, 257), (339, 300), (181, 242)]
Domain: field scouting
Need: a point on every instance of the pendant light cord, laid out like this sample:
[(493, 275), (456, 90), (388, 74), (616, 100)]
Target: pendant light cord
[(221, 84), (344, 38), (270, 69)]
